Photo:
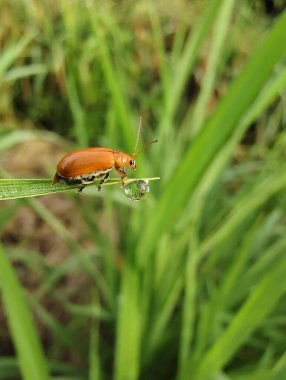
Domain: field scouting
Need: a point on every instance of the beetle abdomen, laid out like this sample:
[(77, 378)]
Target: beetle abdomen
[(85, 179)]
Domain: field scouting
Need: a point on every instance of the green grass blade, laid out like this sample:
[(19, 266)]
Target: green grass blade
[(271, 91), (95, 370), (11, 53), (219, 35), (94, 364), (24, 188), (160, 48), (77, 111), (31, 357), (243, 209), (128, 331), (111, 75), (62, 333), (189, 309), (164, 315), (254, 310), (228, 113), (25, 71), (279, 370), (185, 66)]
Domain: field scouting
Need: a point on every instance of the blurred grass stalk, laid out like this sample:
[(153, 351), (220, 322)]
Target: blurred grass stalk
[(31, 357), (166, 308), (177, 197)]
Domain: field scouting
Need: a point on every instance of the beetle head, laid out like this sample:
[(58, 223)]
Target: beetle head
[(125, 160)]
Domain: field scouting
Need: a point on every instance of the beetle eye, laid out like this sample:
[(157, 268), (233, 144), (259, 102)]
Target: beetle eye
[(131, 162)]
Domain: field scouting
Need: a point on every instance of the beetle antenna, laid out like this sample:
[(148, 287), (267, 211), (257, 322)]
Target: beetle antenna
[(138, 134), (146, 146)]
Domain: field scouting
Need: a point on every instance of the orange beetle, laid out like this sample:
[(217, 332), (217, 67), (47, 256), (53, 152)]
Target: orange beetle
[(84, 165)]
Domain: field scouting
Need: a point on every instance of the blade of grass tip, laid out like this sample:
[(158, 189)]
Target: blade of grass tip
[(111, 75), (249, 317), (227, 114), (186, 64), (9, 55), (29, 351), (219, 35)]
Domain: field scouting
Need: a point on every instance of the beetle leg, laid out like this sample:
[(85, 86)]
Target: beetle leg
[(80, 189), (123, 174), (102, 181), (56, 179), (85, 182)]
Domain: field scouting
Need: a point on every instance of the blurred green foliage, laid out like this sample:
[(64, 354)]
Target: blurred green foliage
[(189, 283)]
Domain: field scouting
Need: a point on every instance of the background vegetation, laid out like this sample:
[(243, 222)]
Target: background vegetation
[(189, 283)]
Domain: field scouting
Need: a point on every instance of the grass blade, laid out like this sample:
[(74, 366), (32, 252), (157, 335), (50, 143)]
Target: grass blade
[(254, 310), (127, 356), (186, 63), (25, 71), (243, 209), (219, 33), (111, 75), (11, 53), (24, 188), (31, 357)]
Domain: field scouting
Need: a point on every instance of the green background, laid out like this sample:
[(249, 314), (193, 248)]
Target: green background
[(189, 283)]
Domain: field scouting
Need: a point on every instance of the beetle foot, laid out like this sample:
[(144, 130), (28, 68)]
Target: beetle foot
[(123, 181), (80, 190)]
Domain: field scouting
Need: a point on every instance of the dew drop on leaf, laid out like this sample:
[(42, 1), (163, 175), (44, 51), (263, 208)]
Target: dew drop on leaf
[(136, 190)]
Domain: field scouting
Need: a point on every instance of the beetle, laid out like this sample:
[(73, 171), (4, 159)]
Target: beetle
[(82, 166)]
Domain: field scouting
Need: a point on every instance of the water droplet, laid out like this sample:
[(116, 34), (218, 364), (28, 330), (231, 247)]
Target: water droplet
[(136, 190)]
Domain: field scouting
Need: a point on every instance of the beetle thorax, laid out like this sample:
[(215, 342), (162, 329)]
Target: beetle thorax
[(124, 160)]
